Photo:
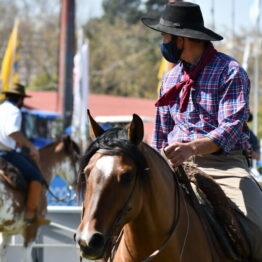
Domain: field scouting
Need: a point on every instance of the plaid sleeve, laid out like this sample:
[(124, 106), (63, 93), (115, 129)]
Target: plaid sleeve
[(233, 108), (163, 126), (164, 123)]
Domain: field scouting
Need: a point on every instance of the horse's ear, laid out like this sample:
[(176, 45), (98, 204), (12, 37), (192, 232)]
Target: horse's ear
[(66, 138), (95, 130), (67, 143), (136, 130)]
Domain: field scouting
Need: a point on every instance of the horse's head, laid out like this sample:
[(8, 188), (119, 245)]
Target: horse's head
[(66, 155), (109, 182), (72, 152)]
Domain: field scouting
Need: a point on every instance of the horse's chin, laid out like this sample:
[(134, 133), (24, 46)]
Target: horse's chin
[(92, 254)]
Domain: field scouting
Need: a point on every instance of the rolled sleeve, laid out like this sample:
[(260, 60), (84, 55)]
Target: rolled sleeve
[(14, 123), (163, 126), (233, 108)]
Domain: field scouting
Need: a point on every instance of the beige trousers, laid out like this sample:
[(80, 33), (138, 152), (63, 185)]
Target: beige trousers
[(231, 173)]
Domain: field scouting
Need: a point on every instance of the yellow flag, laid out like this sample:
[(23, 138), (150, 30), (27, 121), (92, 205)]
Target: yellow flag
[(9, 73), (164, 67)]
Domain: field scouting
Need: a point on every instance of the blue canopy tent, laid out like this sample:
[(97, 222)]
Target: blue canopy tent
[(41, 127)]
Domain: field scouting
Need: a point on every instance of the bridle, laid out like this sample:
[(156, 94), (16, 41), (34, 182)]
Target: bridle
[(112, 234), (119, 218), (73, 160), (68, 196)]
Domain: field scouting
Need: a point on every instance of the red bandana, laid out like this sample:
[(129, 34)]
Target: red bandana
[(188, 81)]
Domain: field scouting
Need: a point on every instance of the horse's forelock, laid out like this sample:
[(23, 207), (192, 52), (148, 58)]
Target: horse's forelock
[(116, 141)]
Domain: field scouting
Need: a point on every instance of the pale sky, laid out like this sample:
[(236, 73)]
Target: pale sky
[(223, 13)]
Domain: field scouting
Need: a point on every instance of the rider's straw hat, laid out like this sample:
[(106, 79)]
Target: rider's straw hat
[(17, 89)]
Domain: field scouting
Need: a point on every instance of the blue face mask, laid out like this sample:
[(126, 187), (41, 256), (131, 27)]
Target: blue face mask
[(170, 51)]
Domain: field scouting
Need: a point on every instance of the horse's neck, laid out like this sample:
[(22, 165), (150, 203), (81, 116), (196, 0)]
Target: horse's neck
[(158, 210), (159, 188), (155, 222), (48, 160)]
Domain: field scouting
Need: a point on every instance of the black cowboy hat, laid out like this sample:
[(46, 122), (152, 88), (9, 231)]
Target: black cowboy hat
[(17, 89), (182, 19)]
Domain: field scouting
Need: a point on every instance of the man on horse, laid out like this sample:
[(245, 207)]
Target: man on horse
[(11, 138), (202, 111)]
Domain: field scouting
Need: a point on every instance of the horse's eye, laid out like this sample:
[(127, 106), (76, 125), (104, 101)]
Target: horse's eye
[(126, 178)]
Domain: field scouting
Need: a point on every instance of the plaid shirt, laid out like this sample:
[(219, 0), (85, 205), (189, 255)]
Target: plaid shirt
[(218, 107)]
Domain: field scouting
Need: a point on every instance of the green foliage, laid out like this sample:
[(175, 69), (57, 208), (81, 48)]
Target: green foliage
[(259, 125), (44, 81), (125, 10), (124, 59), (130, 11), (154, 7), (38, 36), (259, 131)]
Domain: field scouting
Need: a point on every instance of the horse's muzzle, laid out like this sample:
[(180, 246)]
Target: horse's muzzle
[(93, 247)]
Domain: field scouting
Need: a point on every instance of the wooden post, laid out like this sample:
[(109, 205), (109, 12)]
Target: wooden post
[(66, 59)]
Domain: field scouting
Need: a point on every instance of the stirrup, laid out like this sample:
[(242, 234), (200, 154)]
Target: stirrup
[(37, 220), (30, 221)]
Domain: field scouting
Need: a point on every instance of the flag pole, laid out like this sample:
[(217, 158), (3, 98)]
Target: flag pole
[(66, 60)]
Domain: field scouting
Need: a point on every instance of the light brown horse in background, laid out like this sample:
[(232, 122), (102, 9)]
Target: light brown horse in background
[(63, 153), (133, 208)]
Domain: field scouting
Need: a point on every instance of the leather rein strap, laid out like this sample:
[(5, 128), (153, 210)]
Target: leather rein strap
[(174, 226)]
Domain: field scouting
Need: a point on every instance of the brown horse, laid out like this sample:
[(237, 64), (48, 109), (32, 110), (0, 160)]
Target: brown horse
[(64, 153), (133, 207)]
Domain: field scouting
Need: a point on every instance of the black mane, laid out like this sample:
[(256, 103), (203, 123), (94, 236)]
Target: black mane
[(116, 141)]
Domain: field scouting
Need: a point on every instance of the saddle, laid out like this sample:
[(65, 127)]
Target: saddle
[(218, 210), (11, 176)]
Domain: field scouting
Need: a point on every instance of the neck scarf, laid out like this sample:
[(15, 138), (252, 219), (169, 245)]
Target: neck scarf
[(188, 80)]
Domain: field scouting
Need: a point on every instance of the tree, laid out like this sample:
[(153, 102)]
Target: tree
[(154, 7), (124, 59), (125, 10), (38, 36), (131, 11)]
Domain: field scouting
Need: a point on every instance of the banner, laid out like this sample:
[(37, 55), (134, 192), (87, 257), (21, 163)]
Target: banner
[(80, 92), (254, 12), (9, 70), (246, 53), (164, 67)]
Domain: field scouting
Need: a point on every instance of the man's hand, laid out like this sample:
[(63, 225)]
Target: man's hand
[(21, 140), (34, 153), (178, 153)]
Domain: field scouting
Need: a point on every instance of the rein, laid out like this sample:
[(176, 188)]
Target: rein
[(127, 209), (64, 198), (174, 226), (69, 187)]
